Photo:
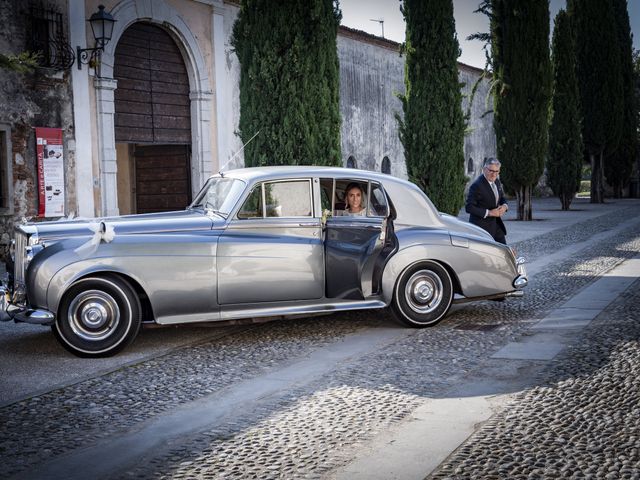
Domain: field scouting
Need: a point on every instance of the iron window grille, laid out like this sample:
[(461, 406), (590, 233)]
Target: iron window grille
[(48, 37)]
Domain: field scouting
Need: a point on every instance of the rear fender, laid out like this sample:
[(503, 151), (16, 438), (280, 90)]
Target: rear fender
[(477, 273)]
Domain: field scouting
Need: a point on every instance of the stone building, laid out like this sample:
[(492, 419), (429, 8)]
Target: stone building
[(371, 76), (27, 101), (147, 124)]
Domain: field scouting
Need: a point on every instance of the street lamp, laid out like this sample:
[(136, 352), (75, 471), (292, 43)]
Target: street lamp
[(102, 28)]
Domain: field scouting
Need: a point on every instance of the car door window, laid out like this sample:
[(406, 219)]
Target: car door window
[(288, 199), (373, 198), (378, 206), (341, 192), (252, 207), (326, 194)]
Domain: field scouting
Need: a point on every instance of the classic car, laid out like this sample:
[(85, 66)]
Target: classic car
[(255, 243)]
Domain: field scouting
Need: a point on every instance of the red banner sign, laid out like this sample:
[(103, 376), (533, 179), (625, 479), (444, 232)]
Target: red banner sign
[(50, 172)]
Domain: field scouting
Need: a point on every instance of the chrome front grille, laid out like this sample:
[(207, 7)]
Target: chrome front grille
[(20, 252)]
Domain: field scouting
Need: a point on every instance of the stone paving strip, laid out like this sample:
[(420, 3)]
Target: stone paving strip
[(312, 427)]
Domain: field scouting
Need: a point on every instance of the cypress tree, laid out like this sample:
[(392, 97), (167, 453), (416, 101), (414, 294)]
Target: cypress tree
[(522, 69), (636, 81), (289, 83), (432, 131), (599, 83), (618, 166), (564, 164)]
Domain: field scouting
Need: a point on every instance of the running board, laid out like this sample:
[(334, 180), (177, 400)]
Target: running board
[(265, 313), (300, 310)]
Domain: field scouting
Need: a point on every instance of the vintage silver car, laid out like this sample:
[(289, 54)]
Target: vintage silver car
[(255, 243)]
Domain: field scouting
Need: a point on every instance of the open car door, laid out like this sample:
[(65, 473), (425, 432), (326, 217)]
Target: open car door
[(357, 247)]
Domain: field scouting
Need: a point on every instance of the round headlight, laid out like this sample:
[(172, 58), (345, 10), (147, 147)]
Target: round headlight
[(30, 252)]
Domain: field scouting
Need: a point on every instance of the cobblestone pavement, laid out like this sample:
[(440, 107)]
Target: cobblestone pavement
[(582, 423), (310, 430)]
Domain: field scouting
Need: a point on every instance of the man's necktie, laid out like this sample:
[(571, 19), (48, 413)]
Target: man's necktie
[(495, 191)]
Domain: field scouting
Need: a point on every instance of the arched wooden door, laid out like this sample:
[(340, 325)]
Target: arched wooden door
[(153, 117)]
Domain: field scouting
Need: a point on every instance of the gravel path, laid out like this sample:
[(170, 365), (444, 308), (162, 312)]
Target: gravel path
[(308, 431)]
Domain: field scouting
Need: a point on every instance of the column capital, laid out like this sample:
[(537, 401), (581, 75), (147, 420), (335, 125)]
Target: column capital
[(219, 8), (105, 83), (200, 95)]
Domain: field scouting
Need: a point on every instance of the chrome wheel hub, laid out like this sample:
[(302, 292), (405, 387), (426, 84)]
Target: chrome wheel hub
[(424, 291), (93, 315)]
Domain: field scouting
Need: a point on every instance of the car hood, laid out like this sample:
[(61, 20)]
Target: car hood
[(163, 222)]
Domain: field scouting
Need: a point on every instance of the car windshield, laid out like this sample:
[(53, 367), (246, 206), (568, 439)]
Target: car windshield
[(219, 195)]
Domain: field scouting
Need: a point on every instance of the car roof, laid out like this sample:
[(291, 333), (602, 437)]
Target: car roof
[(412, 205), (275, 172)]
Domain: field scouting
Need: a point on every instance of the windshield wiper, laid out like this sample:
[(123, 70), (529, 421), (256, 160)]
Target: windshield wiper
[(210, 211)]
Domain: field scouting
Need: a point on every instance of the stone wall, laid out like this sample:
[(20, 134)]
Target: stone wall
[(38, 99), (371, 74), (480, 139)]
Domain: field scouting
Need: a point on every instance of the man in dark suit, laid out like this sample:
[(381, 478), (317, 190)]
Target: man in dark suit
[(486, 203)]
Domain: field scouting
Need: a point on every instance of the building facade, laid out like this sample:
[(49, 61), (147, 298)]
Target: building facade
[(143, 127)]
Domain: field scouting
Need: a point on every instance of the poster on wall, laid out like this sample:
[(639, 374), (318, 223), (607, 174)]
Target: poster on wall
[(50, 172)]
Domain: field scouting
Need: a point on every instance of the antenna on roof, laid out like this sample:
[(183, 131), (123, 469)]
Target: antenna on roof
[(236, 154), (380, 21)]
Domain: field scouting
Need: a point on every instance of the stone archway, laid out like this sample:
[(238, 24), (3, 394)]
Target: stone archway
[(127, 13), (152, 122)]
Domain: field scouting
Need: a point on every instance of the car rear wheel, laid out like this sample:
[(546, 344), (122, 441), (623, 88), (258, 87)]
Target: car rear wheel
[(98, 317), (423, 295)]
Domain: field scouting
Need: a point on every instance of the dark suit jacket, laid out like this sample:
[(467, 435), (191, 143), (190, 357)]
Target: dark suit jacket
[(480, 199)]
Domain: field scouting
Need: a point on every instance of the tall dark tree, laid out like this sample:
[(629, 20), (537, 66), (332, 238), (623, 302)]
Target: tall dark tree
[(432, 131), (599, 83), (289, 83), (522, 69), (636, 81), (564, 164), (619, 165)]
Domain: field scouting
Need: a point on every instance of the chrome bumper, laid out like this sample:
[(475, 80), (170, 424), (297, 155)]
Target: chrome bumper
[(4, 304), (521, 280), (9, 311), (516, 294)]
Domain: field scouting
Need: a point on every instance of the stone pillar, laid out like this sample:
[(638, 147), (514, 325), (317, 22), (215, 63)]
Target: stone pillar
[(105, 88), (222, 92), (201, 161), (83, 175)]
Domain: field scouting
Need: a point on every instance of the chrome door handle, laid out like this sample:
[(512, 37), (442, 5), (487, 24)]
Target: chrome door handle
[(308, 224)]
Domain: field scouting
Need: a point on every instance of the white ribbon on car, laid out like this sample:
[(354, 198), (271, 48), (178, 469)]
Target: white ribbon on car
[(71, 216), (101, 232)]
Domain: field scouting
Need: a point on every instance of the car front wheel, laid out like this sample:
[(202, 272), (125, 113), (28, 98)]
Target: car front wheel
[(423, 295), (98, 317)]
